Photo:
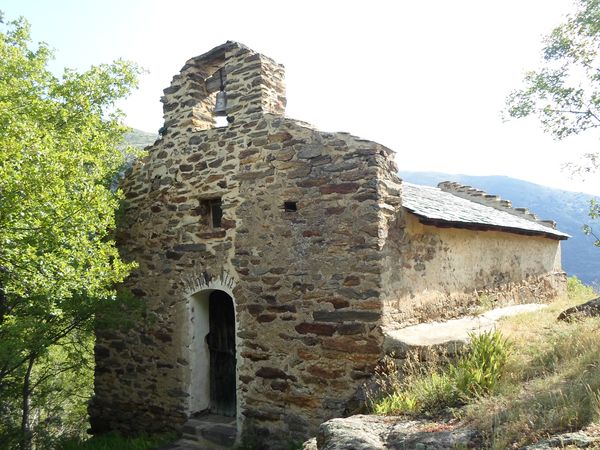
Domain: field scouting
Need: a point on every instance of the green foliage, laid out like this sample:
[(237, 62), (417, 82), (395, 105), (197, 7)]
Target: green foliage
[(116, 442), (565, 93), (59, 139), (428, 394), (434, 388), (486, 302), (59, 150), (62, 384), (576, 289), (478, 371), (594, 214)]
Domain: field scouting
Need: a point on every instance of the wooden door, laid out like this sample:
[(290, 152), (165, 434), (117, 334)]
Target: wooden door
[(221, 342)]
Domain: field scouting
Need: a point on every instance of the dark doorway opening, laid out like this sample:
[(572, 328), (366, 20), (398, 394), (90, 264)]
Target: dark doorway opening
[(221, 343)]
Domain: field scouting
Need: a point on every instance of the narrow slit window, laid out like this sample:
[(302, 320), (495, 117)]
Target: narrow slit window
[(216, 212), (290, 206)]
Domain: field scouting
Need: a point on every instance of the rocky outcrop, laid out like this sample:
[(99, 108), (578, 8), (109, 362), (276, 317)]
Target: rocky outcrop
[(587, 309), (362, 432), (579, 439), (380, 432)]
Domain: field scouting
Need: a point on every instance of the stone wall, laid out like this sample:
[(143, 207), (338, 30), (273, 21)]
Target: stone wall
[(440, 273)]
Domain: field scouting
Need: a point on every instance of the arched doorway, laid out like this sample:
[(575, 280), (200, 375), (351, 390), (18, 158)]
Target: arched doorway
[(213, 380)]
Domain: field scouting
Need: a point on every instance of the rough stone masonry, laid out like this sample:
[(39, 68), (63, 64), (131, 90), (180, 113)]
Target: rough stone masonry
[(306, 235)]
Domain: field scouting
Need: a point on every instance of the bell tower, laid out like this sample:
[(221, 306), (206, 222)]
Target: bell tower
[(245, 83)]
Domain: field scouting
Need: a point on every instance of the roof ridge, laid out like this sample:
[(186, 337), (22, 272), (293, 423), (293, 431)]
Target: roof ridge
[(493, 201)]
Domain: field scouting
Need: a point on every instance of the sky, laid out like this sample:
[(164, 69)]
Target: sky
[(427, 79)]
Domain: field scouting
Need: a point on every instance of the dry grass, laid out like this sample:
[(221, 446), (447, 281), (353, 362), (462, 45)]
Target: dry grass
[(551, 383)]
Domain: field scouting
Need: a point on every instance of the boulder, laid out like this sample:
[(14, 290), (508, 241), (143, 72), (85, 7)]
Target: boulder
[(567, 440), (587, 309), (362, 432)]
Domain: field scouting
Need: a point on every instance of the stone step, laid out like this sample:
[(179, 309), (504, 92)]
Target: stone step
[(211, 431)]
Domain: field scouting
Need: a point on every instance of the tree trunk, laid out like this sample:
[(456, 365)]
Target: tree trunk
[(25, 443), (3, 302)]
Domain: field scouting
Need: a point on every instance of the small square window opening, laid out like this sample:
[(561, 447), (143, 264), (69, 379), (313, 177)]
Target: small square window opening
[(216, 212), (290, 206)]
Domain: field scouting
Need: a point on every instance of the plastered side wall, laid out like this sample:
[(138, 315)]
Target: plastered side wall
[(437, 273)]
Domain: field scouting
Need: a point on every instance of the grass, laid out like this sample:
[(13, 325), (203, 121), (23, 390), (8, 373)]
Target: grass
[(114, 441), (439, 384), (547, 383)]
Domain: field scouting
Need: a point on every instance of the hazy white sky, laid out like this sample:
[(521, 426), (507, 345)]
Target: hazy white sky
[(426, 78)]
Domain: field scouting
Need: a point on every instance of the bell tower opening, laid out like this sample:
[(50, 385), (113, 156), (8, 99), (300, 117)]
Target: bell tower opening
[(229, 84)]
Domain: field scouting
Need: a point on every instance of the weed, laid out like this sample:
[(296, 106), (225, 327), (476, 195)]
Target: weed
[(438, 384), (480, 368), (486, 302), (576, 289)]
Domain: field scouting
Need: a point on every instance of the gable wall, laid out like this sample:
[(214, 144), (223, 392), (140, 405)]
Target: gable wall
[(305, 284)]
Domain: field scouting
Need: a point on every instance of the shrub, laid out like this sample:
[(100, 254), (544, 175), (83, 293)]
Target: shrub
[(479, 369), (114, 441), (437, 386), (576, 289)]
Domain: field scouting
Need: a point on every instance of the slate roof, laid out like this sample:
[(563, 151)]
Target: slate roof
[(436, 207)]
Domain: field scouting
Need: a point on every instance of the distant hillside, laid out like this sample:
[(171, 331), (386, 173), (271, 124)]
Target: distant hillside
[(140, 139), (568, 209)]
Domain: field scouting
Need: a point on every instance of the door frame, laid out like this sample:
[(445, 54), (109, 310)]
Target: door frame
[(196, 350), (222, 371)]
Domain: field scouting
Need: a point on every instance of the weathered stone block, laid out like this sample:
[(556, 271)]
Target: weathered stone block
[(346, 316), (190, 248), (321, 329), (273, 373)]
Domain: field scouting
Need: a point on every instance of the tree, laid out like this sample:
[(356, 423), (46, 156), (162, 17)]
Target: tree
[(565, 93), (59, 149)]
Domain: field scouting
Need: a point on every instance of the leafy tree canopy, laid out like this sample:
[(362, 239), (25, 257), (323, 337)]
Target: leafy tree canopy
[(565, 92), (59, 151), (58, 139)]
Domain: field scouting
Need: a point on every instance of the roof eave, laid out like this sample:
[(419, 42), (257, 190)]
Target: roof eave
[(441, 223)]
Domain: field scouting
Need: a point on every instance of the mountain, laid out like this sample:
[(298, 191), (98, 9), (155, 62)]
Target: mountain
[(140, 139), (569, 209)]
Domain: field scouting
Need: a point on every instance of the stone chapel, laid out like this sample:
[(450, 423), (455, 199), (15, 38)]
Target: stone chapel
[(273, 258)]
